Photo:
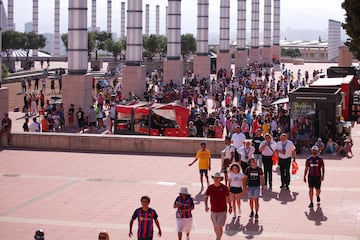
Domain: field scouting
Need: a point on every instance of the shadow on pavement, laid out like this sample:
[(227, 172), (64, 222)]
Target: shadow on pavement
[(316, 216)]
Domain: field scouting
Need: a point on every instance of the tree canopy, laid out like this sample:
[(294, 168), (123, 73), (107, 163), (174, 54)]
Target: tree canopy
[(188, 44), (352, 25)]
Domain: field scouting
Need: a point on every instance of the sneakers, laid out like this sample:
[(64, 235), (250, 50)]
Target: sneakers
[(311, 205), (251, 214), (318, 199), (256, 216)]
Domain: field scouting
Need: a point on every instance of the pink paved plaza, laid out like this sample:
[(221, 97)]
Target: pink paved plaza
[(76, 195)]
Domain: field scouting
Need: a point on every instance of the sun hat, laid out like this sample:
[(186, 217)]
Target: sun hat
[(319, 139), (314, 148), (184, 190), (217, 175)]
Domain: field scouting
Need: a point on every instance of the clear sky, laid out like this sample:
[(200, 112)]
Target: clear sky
[(295, 14)]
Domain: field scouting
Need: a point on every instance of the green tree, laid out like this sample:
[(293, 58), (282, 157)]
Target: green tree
[(99, 39), (114, 47), (188, 44), (352, 25), (33, 40), (155, 44), (12, 40)]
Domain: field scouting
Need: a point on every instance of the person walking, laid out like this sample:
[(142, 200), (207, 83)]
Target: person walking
[(104, 235), (286, 151), (314, 172), (267, 149), (254, 177), (184, 205), (146, 217), (204, 157), (246, 152), (228, 157), (256, 140), (6, 125), (39, 235), (236, 186), (219, 198)]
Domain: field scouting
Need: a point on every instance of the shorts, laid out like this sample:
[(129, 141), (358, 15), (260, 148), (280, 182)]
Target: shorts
[(203, 171), (218, 218), (81, 123), (184, 224), (254, 192), (92, 124), (314, 182), (236, 190)]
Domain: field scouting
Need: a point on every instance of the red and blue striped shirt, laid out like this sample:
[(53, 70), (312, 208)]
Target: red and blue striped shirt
[(314, 164), (145, 222), (185, 204)]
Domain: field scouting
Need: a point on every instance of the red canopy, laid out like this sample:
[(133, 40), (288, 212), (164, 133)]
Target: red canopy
[(126, 109)]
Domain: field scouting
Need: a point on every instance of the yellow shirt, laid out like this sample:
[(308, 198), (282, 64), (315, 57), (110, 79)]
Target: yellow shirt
[(265, 128), (203, 158)]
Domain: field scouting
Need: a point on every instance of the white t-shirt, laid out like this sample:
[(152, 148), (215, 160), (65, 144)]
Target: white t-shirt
[(246, 153), (288, 146), (268, 151), (236, 179), (228, 150), (238, 139)]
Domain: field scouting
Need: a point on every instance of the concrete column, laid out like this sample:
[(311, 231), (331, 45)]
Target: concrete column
[(57, 28), (255, 50), (93, 15), (173, 66), (241, 52), (11, 15), (147, 19), (77, 84), (134, 72), (109, 11), (223, 58), (202, 60), (166, 21), (276, 50), (122, 30), (35, 22), (266, 51), (157, 25)]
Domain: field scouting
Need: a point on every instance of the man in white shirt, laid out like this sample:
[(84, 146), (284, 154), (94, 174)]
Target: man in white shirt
[(238, 138), (286, 151), (267, 149), (228, 156), (246, 152)]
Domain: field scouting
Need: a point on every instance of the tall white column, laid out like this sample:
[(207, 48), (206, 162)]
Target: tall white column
[(202, 60), (147, 19), (122, 24), (93, 15), (134, 72), (254, 50), (109, 10), (10, 25), (77, 43), (57, 28), (276, 51), (173, 66), (241, 52), (166, 21), (266, 51), (157, 26), (77, 85), (35, 22), (134, 32), (223, 60)]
